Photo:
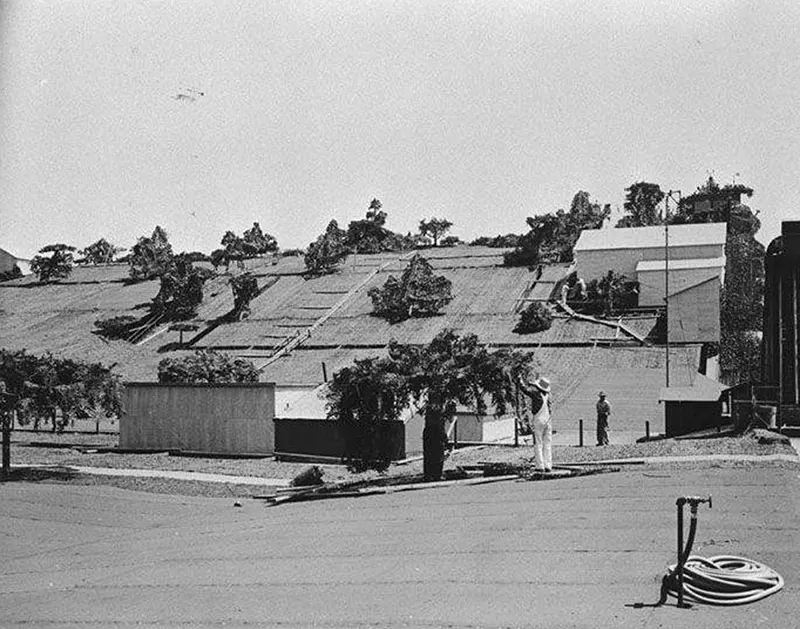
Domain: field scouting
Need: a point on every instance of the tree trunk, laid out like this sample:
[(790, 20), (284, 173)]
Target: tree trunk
[(6, 420), (434, 442)]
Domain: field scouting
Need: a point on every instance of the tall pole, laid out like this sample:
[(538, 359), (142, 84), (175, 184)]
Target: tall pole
[(666, 278)]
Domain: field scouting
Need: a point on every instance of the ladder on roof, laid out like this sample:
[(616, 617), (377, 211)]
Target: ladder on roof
[(298, 338)]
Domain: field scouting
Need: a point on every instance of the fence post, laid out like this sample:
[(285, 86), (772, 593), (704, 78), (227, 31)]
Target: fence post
[(580, 433), (647, 431)]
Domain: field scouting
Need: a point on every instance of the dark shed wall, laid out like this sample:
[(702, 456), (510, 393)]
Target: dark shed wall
[(683, 418)]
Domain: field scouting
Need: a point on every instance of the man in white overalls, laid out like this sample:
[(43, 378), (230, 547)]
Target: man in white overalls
[(539, 394)]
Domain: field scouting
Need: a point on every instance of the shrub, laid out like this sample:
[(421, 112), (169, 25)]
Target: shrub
[(537, 317), (206, 367)]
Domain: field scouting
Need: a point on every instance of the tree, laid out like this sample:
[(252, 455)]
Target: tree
[(327, 251), (375, 214), (499, 241), (610, 294), (435, 228), (448, 372), (37, 387), (537, 317), (245, 289), (257, 243), (181, 289), (151, 257), (100, 252), (53, 267), (641, 205), (205, 366), (369, 234), (552, 236), (418, 293)]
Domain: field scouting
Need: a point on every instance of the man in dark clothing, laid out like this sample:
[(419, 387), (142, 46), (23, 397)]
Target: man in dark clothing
[(603, 411)]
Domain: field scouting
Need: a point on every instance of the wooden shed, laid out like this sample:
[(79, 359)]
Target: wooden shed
[(207, 418), (692, 408)]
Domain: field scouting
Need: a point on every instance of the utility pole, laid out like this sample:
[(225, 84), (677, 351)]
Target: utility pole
[(666, 269)]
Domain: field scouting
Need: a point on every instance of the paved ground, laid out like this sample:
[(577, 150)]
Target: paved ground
[(564, 553)]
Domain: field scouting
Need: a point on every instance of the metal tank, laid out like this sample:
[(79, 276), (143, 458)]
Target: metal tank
[(781, 345)]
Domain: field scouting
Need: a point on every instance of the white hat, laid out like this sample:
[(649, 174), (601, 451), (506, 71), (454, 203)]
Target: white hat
[(543, 384)]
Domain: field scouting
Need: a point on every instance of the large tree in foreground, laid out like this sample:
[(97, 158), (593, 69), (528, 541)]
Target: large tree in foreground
[(55, 389), (450, 371)]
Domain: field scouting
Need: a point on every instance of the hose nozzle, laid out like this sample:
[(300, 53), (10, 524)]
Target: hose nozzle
[(693, 501)]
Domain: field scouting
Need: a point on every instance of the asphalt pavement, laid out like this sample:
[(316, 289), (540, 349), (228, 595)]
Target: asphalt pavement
[(575, 552)]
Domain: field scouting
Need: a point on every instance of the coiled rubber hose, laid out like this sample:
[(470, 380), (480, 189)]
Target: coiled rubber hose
[(724, 580)]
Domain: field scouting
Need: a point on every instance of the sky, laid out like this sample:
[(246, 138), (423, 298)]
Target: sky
[(204, 116)]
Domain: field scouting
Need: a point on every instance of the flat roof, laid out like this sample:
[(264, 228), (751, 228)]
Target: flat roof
[(680, 265), (651, 237)]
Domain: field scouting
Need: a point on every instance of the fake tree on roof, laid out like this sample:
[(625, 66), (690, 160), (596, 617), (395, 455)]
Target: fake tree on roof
[(245, 289), (434, 228), (327, 251), (537, 317), (450, 371), (150, 257), (418, 293), (181, 289), (205, 366), (100, 252), (55, 266), (552, 236), (57, 389), (641, 205)]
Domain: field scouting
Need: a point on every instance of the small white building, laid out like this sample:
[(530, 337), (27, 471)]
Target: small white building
[(696, 271), (622, 249)]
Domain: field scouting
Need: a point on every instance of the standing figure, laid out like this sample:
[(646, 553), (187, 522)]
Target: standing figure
[(539, 394), (603, 411)]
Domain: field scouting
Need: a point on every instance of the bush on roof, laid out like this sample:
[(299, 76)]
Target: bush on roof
[(537, 317), (206, 367), (418, 293)]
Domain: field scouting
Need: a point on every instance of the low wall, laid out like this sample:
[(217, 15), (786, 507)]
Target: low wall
[(213, 418)]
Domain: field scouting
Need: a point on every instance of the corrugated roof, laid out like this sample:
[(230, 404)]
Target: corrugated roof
[(651, 237), (680, 264)]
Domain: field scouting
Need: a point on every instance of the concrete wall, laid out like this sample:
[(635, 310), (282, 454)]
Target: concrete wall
[(594, 264), (488, 428), (651, 283), (222, 419), (693, 315)]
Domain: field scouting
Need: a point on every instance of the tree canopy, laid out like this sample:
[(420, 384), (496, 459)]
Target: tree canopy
[(641, 205), (537, 317), (245, 289), (418, 293), (151, 257), (100, 252), (181, 290), (205, 366), (59, 389), (324, 255), (552, 236), (450, 371), (56, 266), (434, 228)]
